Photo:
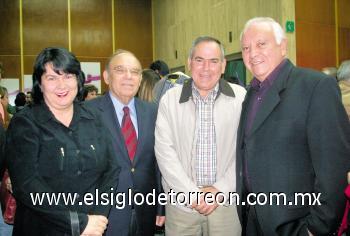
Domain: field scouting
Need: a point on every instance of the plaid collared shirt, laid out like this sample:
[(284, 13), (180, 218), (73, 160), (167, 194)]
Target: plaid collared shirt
[(206, 140)]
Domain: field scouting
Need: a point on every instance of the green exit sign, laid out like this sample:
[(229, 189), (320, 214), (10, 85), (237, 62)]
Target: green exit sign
[(289, 26)]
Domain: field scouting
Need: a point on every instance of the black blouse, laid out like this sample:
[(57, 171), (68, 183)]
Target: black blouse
[(44, 156)]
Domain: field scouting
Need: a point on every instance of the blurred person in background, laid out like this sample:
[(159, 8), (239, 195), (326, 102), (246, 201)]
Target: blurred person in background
[(4, 99), (20, 101), (343, 77), (90, 92), (149, 79), (29, 99), (160, 67), (5, 229)]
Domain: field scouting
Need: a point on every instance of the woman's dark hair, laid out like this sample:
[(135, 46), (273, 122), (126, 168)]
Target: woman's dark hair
[(20, 100), (88, 89), (62, 61)]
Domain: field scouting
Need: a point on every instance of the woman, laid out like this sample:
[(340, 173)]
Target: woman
[(90, 92), (149, 79), (4, 103), (58, 146)]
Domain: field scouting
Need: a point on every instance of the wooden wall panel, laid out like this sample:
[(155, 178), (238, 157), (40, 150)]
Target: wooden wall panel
[(45, 24), (9, 22), (315, 33), (315, 45), (91, 28), (343, 13), (28, 62), (9, 39), (12, 66), (315, 11), (344, 44), (344, 29), (91, 31), (133, 28)]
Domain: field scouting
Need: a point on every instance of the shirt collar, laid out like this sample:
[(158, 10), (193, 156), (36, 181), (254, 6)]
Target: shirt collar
[(256, 84), (119, 105), (186, 92), (211, 96)]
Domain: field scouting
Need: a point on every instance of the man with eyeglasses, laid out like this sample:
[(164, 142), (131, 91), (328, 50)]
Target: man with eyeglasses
[(196, 132), (131, 122)]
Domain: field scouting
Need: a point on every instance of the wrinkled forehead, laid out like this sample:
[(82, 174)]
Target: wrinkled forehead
[(126, 59)]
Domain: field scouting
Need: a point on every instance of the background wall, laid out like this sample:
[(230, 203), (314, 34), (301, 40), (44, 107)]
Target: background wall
[(178, 23), (91, 29), (322, 32), (321, 37), (343, 9)]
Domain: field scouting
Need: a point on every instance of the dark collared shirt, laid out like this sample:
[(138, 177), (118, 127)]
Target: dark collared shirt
[(259, 92)]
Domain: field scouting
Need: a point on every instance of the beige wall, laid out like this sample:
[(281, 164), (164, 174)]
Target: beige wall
[(177, 23)]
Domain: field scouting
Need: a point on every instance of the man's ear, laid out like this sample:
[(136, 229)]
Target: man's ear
[(284, 44), (189, 63), (223, 66), (106, 77)]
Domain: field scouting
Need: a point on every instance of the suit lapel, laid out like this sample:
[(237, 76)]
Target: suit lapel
[(270, 102), (243, 120), (272, 97), (113, 125), (141, 121)]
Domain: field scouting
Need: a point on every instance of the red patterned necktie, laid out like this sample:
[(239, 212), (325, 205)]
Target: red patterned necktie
[(129, 133)]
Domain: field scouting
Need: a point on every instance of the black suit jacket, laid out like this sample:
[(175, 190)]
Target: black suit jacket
[(299, 142), (142, 175)]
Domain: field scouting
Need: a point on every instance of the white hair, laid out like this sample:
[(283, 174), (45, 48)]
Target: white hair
[(344, 71), (276, 27)]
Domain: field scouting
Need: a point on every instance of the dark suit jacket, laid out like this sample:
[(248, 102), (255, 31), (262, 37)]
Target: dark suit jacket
[(299, 142), (142, 175)]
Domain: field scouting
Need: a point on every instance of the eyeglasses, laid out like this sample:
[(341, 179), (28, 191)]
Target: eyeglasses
[(122, 70)]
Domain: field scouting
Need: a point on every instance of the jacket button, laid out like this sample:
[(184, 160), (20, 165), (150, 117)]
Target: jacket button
[(132, 170), (78, 172)]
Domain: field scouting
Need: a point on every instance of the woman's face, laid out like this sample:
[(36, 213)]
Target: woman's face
[(5, 100), (59, 90), (91, 95)]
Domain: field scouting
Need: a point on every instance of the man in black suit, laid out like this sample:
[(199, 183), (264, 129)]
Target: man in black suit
[(139, 173), (294, 136)]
